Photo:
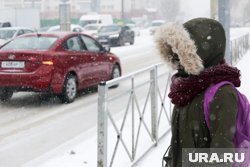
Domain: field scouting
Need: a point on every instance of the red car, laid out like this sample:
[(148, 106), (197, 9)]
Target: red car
[(60, 63)]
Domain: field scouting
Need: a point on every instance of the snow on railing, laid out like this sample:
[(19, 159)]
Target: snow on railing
[(141, 116), (239, 47)]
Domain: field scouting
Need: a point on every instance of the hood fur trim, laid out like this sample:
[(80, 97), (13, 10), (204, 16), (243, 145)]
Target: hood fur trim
[(172, 37)]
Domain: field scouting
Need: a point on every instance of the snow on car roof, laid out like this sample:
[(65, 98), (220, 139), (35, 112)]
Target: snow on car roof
[(59, 34), (15, 28)]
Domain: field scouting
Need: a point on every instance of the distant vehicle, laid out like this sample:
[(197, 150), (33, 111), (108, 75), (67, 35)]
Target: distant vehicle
[(155, 25), (43, 29), (134, 28), (8, 33), (113, 35), (73, 28), (5, 24), (105, 19), (60, 62), (92, 29)]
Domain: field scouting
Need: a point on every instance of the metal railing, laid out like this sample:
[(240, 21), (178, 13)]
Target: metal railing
[(239, 47), (154, 95), (155, 106)]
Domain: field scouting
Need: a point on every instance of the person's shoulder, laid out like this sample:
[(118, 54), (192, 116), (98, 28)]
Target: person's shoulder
[(226, 90)]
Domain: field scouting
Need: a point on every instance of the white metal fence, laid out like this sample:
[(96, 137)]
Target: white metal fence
[(239, 47), (155, 104), (154, 117)]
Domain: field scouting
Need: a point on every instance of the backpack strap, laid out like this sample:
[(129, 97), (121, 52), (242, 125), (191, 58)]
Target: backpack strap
[(208, 98)]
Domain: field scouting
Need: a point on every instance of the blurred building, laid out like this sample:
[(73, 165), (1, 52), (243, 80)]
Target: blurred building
[(132, 8), (50, 8)]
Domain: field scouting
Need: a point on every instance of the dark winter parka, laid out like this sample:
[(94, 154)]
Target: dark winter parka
[(198, 45)]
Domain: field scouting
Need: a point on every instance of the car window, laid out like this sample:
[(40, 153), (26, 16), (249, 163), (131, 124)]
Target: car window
[(126, 28), (73, 44), (27, 31), (111, 28), (6, 24), (77, 29), (20, 32), (91, 27), (30, 43), (86, 22), (7, 34), (91, 44), (156, 24)]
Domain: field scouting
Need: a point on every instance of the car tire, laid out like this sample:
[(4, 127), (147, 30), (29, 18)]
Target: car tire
[(133, 41), (5, 95), (116, 72), (121, 42), (69, 92)]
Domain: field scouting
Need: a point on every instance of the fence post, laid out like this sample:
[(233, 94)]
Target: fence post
[(154, 104), (133, 116), (102, 125), (224, 18), (248, 39)]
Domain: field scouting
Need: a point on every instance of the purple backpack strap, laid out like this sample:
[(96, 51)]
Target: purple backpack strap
[(208, 98)]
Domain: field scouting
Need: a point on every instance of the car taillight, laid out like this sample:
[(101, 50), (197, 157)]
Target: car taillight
[(47, 62)]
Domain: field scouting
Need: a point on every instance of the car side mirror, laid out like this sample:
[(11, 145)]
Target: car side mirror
[(106, 48)]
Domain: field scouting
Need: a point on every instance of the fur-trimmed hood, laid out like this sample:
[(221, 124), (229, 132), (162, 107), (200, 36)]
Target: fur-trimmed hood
[(198, 43)]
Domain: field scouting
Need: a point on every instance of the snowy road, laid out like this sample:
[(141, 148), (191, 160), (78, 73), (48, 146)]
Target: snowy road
[(32, 124)]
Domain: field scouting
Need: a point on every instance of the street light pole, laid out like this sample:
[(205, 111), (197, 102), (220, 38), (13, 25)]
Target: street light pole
[(95, 6), (64, 15), (214, 9), (33, 3), (122, 15), (224, 18)]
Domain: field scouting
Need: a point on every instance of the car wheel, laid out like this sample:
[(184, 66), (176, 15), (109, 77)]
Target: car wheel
[(116, 72), (5, 95), (133, 41), (69, 89), (121, 42)]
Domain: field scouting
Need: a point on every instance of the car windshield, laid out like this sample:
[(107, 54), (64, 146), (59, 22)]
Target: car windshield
[(157, 24), (7, 34), (30, 43), (86, 22), (131, 25), (110, 29), (91, 27)]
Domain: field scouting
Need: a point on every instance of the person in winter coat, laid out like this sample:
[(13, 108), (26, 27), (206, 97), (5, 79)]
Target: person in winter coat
[(196, 49)]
